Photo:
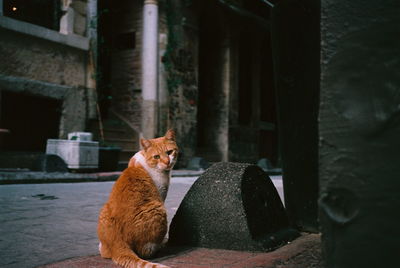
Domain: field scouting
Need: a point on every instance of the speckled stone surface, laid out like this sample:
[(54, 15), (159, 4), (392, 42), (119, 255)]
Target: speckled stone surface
[(304, 252), (231, 206)]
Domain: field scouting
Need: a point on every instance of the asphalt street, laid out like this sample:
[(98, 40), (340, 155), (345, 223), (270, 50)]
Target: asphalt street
[(44, 223)]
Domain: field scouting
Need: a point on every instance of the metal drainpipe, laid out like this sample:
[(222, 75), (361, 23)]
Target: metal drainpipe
[(150, 69)]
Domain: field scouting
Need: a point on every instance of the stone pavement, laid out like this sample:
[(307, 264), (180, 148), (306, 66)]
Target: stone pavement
[(304, 252), (46, 223), (24, 176)]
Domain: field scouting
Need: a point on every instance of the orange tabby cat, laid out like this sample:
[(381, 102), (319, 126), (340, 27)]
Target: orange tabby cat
[(133, 222)]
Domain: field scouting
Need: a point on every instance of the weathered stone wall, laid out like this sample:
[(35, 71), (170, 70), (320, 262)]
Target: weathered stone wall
[(181, 67), (359, 133), (126, 68), (27, 58), (80, 16), (37, 59)]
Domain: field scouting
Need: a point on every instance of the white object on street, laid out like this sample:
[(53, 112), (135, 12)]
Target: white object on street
[(77, 154)]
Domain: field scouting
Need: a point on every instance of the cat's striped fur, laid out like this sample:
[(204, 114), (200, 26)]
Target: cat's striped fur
[(133, 222)]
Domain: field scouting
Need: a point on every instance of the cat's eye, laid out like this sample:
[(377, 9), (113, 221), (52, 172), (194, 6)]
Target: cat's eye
[(156, 156), (170, 152)]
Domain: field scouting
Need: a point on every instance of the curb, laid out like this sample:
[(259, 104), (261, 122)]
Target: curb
[(31, 177), (304, 252), (34, 177)]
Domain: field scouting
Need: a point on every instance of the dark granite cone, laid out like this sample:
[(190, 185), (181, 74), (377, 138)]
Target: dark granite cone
[(232, 206)]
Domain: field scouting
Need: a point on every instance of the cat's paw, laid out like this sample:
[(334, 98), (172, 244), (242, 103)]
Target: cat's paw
[(104, 251), (152, 265), (159, 265)]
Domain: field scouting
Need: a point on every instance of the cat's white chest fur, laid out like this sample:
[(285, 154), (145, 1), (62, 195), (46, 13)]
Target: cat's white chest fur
[(161, 178)]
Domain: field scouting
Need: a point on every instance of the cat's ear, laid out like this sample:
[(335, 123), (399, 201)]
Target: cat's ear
[(145, 144), (170, 135)]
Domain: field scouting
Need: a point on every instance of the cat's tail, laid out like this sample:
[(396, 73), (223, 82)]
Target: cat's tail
[(124, 256)]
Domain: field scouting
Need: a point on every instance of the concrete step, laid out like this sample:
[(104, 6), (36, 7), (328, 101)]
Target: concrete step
[(117, 132)]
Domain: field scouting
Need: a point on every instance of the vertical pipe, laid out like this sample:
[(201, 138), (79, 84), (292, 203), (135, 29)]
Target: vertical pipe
[(150, 69)]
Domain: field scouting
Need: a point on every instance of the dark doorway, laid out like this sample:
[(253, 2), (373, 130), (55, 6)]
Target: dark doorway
[(119, 60), (30, 120), (268, 124), (211, 96), (245, 78), (252, 128)]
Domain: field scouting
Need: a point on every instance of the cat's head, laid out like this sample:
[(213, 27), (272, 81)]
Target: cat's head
[(161, 153)]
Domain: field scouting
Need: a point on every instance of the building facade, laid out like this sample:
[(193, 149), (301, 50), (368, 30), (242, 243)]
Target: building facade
[(47, 86), (132, 69), (224, 72)]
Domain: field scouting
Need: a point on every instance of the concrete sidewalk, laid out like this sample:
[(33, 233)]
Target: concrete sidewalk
[(304, 252), (50, 222), (24, 176)]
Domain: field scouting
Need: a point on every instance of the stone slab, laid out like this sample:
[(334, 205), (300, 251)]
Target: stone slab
[(304, 252), (232, 206)]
